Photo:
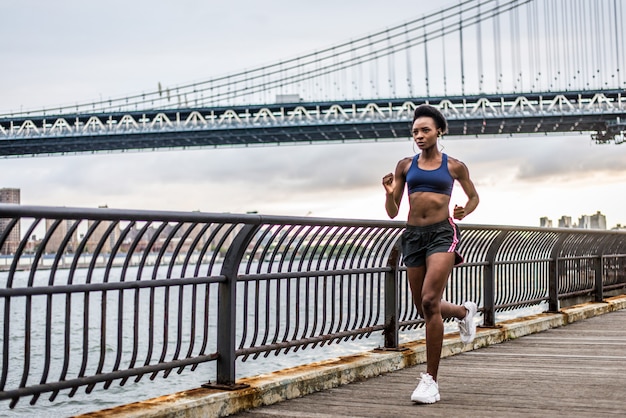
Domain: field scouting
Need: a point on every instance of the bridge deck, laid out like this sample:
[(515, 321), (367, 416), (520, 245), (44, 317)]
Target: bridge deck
[(578, 370)]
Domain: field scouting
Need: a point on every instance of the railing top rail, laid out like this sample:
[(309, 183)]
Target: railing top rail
[(12, 210), (63, 212)]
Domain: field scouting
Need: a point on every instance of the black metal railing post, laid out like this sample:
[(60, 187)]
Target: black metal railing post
[(553, 274), (392, 298), (489, 313), (599, 278), (226, 310)]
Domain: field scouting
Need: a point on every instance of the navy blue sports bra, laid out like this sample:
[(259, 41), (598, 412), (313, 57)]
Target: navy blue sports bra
[(434, 181)]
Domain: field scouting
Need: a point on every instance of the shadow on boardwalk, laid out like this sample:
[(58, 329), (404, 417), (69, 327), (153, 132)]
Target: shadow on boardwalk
[(574, 371)]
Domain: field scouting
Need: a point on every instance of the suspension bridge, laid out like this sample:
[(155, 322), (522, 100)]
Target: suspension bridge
[(494, 67)]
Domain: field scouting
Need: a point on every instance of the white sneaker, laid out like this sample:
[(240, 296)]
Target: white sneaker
[(467, 327), (427, 391)]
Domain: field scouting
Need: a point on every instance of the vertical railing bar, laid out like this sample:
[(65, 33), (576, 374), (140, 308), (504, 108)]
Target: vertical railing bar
[(192, 324), (257, 305), (244, 316), (288, 291), (337, 236), (103, 309), (166, 297), (376, 240), (266, 325), (386, 241), (207, 246), (90, 269), (27, 319), (120, 297), (362, 246), (103, 320), (152, 293), (48, 337), (318, 250), (27, 308), (192, 245), (283, 254), (599, 278), (203, 249), (192, 248), (344, 239), (194, 288), (267, 230), (277, 309), (181, 292), (310, 245), (348, 245), (357, 248), (142, 263), (136, 301)]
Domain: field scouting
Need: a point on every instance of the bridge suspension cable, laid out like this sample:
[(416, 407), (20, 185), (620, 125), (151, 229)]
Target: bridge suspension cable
[(549, 45)]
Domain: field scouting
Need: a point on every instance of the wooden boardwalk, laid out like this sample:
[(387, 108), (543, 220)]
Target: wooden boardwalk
[(574, 371)]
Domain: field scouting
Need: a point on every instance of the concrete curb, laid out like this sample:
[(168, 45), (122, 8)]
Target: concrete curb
[(299, 381)]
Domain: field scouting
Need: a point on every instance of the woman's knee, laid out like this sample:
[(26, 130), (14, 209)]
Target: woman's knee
[(430, 304)]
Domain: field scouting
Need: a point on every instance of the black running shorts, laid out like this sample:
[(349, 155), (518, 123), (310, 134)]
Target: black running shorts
[(418, 242)]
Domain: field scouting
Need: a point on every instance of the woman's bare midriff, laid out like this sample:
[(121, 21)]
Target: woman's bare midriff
[(428, 208)]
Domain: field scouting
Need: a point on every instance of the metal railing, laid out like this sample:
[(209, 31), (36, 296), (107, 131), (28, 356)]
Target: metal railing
[(107, 295)]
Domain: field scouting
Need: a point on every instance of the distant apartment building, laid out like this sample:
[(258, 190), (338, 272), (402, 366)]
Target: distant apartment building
[(565, 222), (9, 246), (597, 221), (544, 222), (58, 236), (102, 235), (584, 222)]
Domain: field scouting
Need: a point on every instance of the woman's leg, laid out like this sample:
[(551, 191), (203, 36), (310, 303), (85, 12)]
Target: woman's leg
[(438, 268)]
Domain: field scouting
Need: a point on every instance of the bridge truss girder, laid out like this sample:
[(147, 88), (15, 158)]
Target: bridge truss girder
[(600, 113)]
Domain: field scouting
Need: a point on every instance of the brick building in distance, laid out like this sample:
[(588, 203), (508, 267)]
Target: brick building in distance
[(10, 196)]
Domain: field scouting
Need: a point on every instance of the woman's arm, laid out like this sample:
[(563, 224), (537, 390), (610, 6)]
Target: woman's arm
[(394, 187), (461, 173)]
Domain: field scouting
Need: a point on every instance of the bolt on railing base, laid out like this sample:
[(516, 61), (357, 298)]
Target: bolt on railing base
[(234, 386)]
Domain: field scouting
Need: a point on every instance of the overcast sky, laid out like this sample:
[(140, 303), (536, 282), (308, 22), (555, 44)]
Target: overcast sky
[(70, 51)]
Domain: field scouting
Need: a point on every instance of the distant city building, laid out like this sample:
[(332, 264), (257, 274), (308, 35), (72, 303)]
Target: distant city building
[(544, 222), (103, 236), (584, 222), (565, 222), (59, 235), (597, 221), (11, 196)]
